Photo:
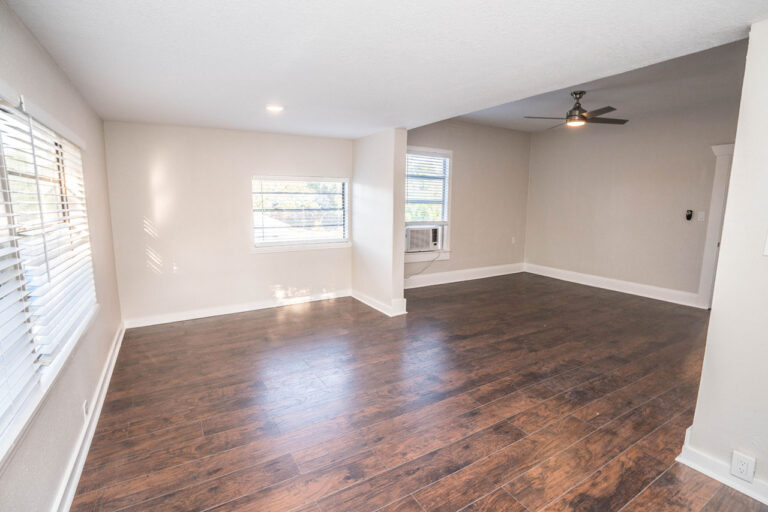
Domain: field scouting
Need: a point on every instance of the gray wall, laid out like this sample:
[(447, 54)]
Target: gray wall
[(181, 204), (610, 201), (489, 182)]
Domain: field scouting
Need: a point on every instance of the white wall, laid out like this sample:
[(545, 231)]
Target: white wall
[(489, 188), (378, 203), (732, 408), (182, 217), (31, 477), (610, 200)]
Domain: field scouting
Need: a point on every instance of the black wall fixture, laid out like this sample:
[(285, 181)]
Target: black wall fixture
[(688, 214)]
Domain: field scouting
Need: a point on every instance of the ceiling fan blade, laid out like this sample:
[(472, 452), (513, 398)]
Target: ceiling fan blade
[(551, 127), (598, 112), (606, 120), (536, 117)]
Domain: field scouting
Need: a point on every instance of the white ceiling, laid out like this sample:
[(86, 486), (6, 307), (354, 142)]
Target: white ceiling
[(695, 80), (351, 67)]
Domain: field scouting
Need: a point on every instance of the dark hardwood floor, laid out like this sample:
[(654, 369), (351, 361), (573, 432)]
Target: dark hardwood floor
[(516, 393)]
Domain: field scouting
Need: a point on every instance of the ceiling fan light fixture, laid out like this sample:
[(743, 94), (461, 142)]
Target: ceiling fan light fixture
[(575, 120)]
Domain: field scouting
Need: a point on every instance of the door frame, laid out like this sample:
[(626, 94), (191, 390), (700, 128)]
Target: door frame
[(724, 159)]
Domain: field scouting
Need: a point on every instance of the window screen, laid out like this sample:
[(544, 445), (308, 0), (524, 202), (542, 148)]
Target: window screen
[(426, 187), (295, 211)]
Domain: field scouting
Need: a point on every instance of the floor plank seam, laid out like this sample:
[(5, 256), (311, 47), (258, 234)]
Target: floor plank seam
[(704, 506), (647, 486), (516, 500), (418, 502), (465, 507)]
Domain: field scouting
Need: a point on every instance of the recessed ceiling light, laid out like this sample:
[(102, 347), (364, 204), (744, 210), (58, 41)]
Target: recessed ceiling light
[(275, 109)]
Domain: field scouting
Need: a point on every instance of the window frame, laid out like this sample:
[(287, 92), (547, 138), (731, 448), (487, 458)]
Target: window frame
[(304, 245), (445, 252), (49, 371)]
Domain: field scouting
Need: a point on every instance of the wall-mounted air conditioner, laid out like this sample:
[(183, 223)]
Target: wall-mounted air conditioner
[(423, 238)]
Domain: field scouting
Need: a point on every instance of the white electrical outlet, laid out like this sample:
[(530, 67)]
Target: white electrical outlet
[(743, 466)]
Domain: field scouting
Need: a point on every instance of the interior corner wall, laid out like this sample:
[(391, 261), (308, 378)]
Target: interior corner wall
[(182, 213), (732, 410), (398, 214), (610, 201), (489, 190), (34, 473), (377, 220)]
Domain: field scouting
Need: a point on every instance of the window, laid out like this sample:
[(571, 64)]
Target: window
[(426, 187), (427, 204), (292, 211), (47, 293)]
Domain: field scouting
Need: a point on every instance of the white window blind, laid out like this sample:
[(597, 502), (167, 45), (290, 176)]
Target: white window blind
[(426, 187), (299, 210), (47, 291)]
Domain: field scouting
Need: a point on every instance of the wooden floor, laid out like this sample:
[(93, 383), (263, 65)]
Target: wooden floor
[(513, 393)]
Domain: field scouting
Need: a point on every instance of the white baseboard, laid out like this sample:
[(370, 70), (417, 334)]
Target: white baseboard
[(75, 467), (229, 309), (720, 471), (396, 308), (643, 290), (467, 274)]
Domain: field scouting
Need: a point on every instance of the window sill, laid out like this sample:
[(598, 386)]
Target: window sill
[(260, 249), (415, 257)]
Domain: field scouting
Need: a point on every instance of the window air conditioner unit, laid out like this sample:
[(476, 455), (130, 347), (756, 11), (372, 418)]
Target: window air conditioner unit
[(423, 238)]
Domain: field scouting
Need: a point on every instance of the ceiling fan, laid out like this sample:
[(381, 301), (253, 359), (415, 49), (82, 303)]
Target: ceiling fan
[(577, 116)]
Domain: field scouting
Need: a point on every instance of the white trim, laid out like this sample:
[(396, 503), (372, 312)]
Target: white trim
[(417, 257), (308, 246), (229, 309), (395, 309), (11, 95), (68, 486), (292, 177), (430, 151), (720, 471), (724, 154), (467, 274), (643, 290), (723, 149)]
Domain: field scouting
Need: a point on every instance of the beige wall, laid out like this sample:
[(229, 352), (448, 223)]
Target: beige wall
[(610, 201), (181, 212), (489, 182), (377, 220), (732, 409), (31, 478)]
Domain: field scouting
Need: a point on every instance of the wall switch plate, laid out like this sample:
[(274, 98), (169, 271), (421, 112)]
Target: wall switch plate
[(701, 216), (513, 241), (765, 250), (743, 466)]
